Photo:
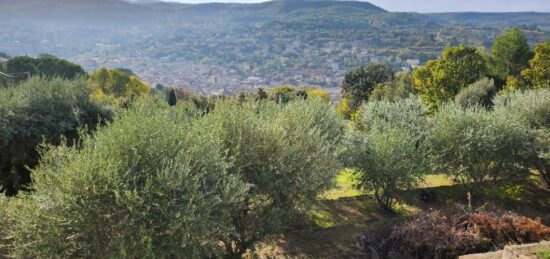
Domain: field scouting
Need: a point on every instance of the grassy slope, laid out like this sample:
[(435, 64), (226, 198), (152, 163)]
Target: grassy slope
[(344, 212)]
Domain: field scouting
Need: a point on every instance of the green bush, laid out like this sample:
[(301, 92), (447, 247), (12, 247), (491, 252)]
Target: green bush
[(389, 149), (474, 145), (154, 183), (479, 93), (288, 154), (41, 111)]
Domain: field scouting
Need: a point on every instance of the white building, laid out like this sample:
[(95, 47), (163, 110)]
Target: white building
[(413, 62)]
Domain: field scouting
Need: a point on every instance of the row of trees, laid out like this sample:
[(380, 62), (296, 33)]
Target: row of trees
[(172, 181), (393, 144), (469, 114)]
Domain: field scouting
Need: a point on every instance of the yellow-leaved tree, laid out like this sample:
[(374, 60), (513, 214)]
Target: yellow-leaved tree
[(115, 86)]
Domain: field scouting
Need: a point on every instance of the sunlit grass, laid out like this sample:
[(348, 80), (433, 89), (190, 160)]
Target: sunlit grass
[(436, 180), (543, 253), (345, 186)]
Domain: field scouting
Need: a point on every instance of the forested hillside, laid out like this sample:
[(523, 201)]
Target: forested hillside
[(225, 48)]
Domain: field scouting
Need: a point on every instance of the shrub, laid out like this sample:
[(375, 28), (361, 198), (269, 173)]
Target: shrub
[(388, 148), (288, 155), (474, 145), (440, 235), (154, 183), (479, 93), (41, 111)]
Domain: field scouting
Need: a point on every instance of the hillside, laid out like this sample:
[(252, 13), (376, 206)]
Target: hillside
[(230, 47)]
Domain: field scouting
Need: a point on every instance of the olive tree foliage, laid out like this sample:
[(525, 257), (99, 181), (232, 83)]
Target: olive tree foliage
[(153, 184), (474, 145), (288, 154), (389, 148), (440, 80), (531, 108), (41, 111), (480, 93), (359, 83)]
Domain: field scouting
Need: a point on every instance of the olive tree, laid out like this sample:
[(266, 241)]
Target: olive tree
[(474, 145), (388, 148), (286, 153), (154, 183), (531, 108)]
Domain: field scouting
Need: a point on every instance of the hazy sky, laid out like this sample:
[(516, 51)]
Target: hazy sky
[(440, 5)]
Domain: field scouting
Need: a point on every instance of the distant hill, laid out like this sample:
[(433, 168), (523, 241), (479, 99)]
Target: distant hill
[(228, 45), (520, 19)]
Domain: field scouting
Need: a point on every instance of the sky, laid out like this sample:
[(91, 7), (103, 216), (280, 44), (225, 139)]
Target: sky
[(425, 6)]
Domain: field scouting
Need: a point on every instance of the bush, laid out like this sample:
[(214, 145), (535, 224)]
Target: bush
[(288, 154), (479, 93), (474, 145), (389, 148), (41, 111), (440, 235), (154, 183)]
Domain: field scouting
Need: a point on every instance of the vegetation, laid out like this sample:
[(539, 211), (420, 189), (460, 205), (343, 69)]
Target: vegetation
[(474, 145), (41, 111), (115, 86), (480, 93), (389, 148), (401, 88), (511, 51), (48, 66), (287, 154), (531, 108), (537, 73), (440, 80), (442, 235), (110, 169), (359, 83)]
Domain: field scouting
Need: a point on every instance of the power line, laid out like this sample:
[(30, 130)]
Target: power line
[(15, 75)]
